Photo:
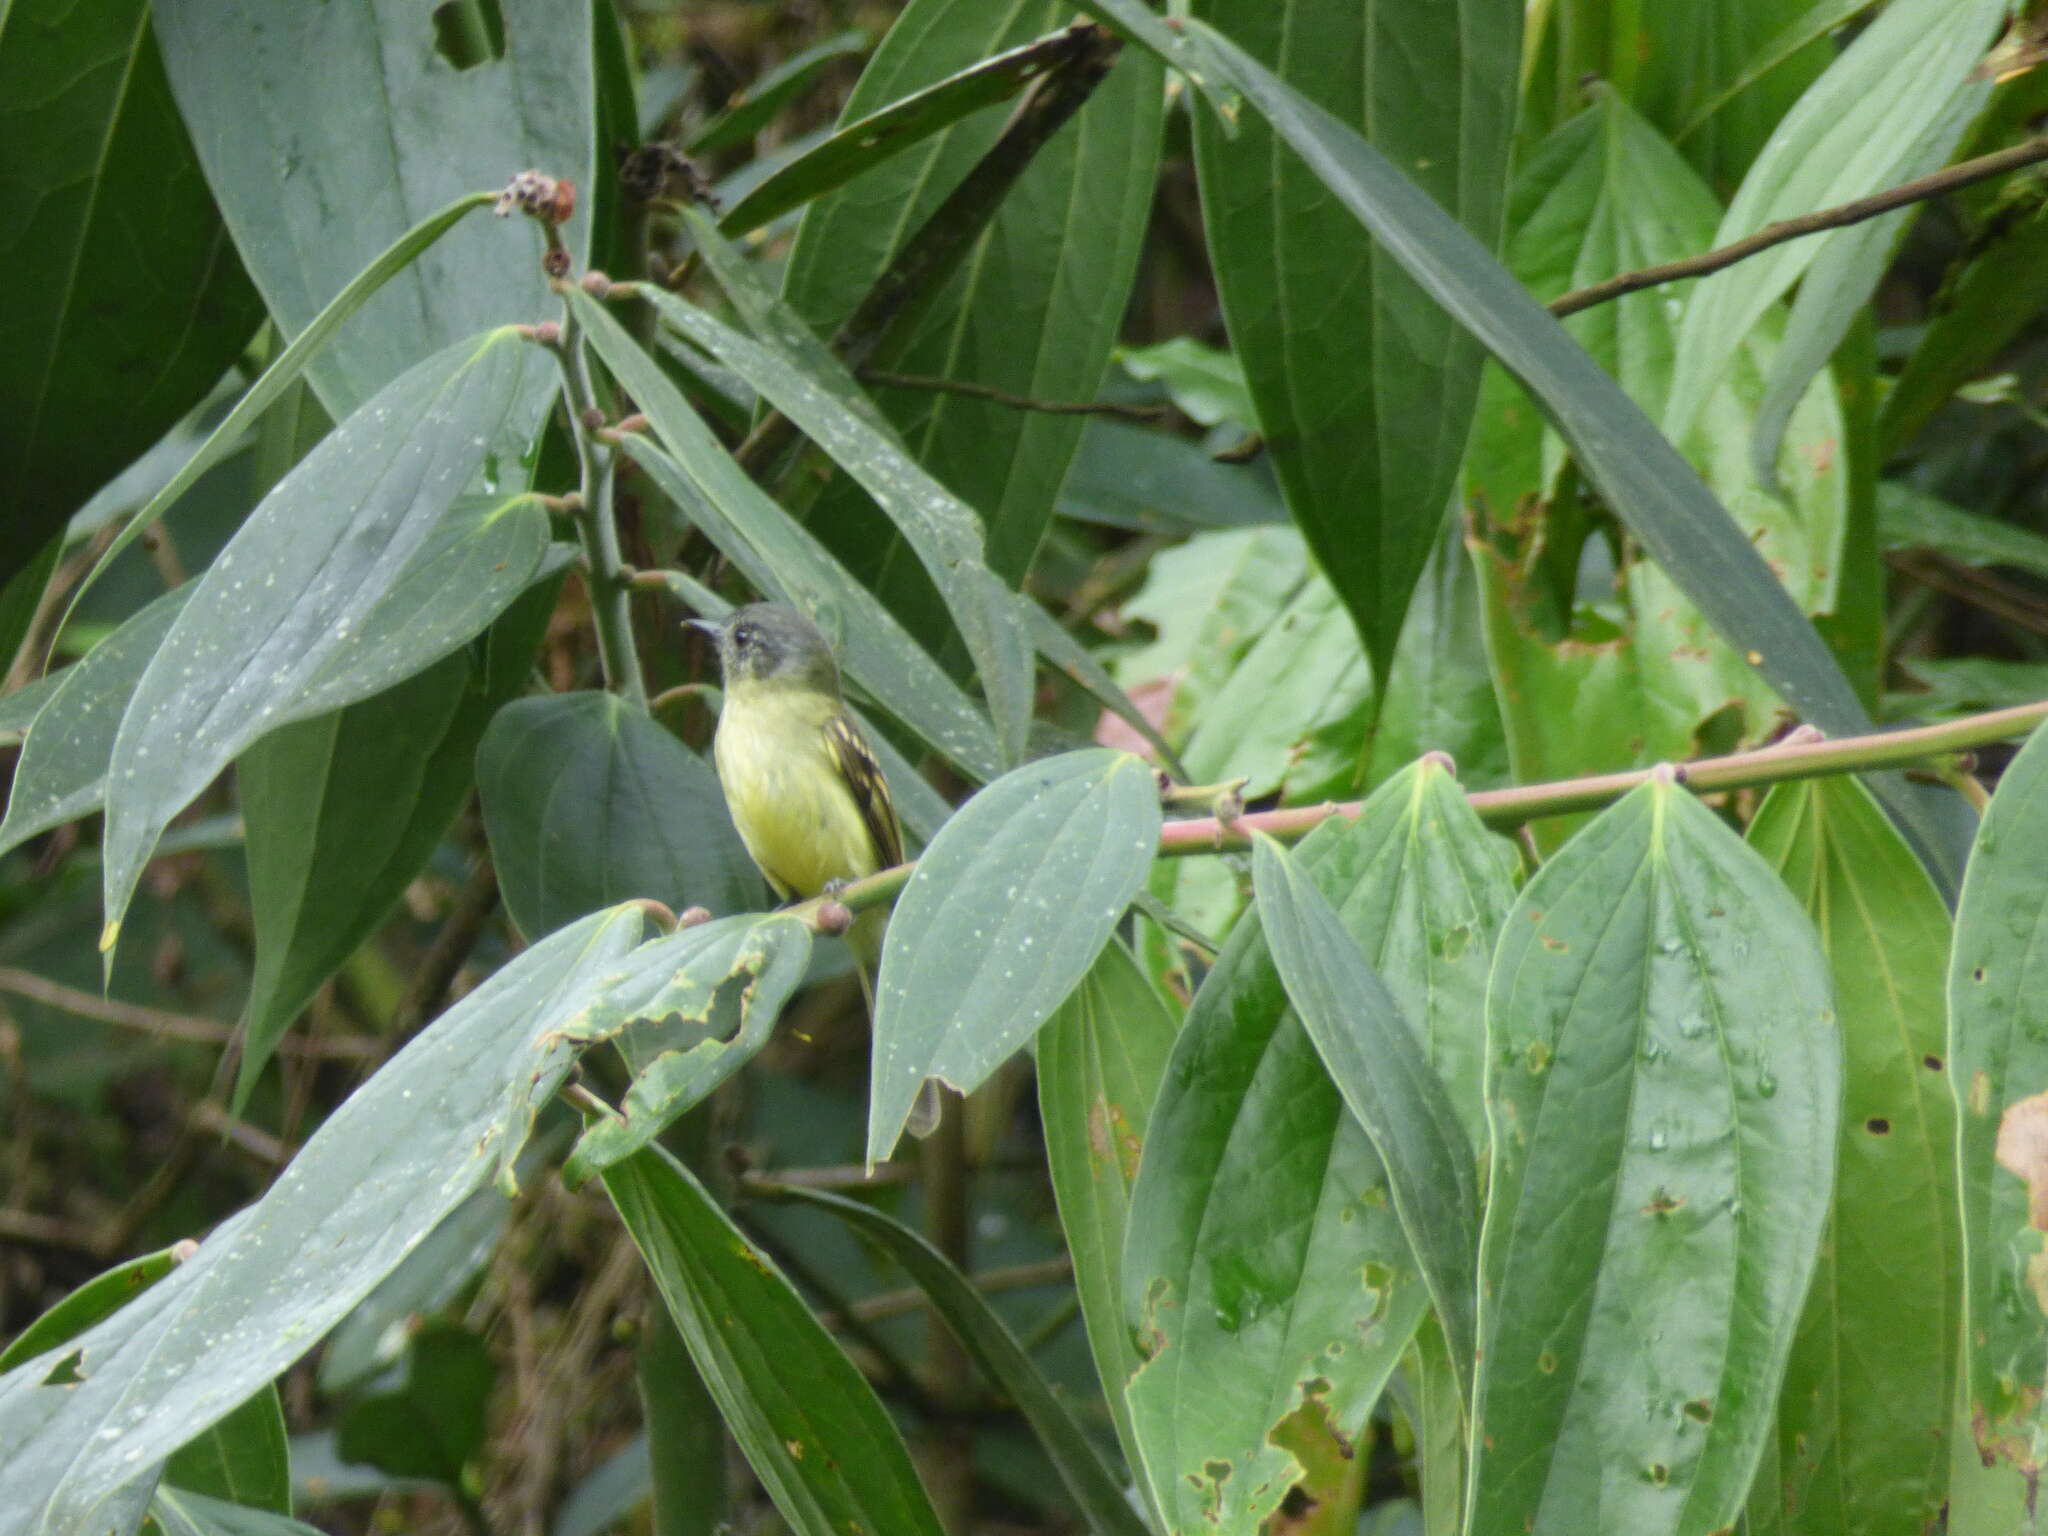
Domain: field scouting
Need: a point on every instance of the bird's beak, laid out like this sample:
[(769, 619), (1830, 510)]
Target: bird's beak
[(710, 627)]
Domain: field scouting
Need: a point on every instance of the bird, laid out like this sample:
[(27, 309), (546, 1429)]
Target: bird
[(801, 780)]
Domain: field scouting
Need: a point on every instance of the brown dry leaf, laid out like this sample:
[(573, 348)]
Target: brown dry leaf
[(2023, 1149)]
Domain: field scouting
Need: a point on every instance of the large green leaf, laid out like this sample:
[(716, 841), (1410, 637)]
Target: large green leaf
[(1264, 1268), (1664, 1083), (1003, 916), (1863, 1417), (488, 551), (1380, 1066), (372, 1183), (1717, 77), (860, 144), (1602, 195), (944, 532), (784, 560), (1034, 308), (753, 107), (1641, 476), (326, 131), (341, 812), (1097, 1494), (809, 1425), (284, 599), (1100, 1059), (1364, 385), (138, 301), (1998, 1064), (275, 381), (1890, 107), (589, 802)]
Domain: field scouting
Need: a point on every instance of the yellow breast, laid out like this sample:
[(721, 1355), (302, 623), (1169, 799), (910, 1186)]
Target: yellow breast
[(785, 791)]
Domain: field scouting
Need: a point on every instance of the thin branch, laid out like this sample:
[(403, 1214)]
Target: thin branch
[(1967, 584), (973, 391), (186, 1029), (611, 608), (1920, 190), (1795, 758), (1015, 1277)]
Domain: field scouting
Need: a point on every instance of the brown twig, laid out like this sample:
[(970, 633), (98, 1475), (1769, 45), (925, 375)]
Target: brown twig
[(164, 1025), (973, 391), (1919, 190), (1978, 588), (1014, 1277)]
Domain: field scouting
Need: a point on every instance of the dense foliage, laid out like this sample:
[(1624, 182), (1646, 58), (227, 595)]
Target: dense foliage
[(1182, 423)]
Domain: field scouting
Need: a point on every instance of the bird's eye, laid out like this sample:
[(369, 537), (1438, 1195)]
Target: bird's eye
[(743, 635)]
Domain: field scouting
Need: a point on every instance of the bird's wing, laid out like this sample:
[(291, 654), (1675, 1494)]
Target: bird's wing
[(856, 760)]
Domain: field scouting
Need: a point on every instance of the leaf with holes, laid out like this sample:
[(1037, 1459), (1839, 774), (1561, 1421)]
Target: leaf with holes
[(1664, 1083)]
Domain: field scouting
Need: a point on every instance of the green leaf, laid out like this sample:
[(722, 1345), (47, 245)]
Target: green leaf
[(1265, 1270), (100, 1297), (180, 1512), (1664, 1083), (306, 567), (1132, 477), (1100, 1058), (1863, 126), (785, 561), (308, 122), (1998, 1021), (1293, 712), (1986, 305), (1909, 518), (273, 383), (809, 1425), (752, 108), (1206, 383), (431, 1423), (62, 773), (1003, 916), (1380, 1067), (589, 802), (1606, 194), (380, 1173), (943, 531), (1097, 1494), (1365, 386), (341, 812), (1796, 36), (1863, 1430), (1032, 310), (139, 304), (243, 1458), (726, 984), (1638, 472), (873, 139)]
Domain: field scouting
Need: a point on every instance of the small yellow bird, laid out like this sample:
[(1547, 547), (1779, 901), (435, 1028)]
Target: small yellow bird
[(800, 779)]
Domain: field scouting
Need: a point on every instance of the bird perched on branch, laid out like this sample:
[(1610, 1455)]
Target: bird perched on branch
[(800, 778)]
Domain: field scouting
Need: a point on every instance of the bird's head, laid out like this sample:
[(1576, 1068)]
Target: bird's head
[(772, 645)]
